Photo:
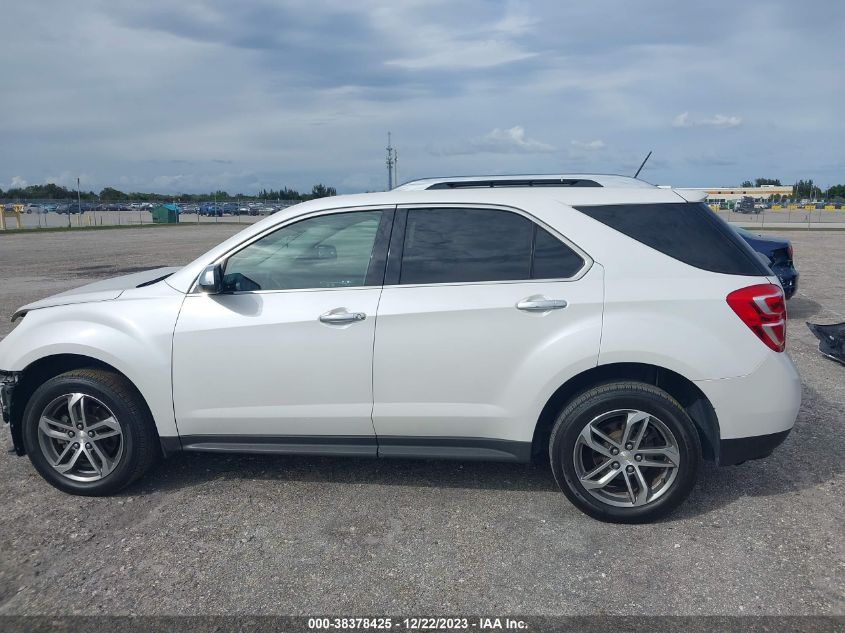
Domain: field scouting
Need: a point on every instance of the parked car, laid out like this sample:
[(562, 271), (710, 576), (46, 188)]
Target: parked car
[(746, 205), (564, 316), (778, 253)]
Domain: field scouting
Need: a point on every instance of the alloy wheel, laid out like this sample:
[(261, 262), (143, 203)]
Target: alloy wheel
[(80, 437), (626, 458)]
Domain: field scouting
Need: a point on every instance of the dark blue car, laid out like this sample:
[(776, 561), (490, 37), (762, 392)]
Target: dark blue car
[(778, 252)]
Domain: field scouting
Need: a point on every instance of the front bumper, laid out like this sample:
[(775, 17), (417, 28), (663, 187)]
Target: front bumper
[(8, 383)]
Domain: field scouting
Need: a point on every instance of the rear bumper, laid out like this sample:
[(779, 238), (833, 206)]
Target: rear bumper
[(756, 411), (788, 277), (742, 449)]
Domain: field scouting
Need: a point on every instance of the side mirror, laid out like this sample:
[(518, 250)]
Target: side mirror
[(326, 251), (318, 252), (211, 280)]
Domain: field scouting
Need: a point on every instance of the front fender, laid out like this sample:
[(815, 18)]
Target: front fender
[(134, 337)]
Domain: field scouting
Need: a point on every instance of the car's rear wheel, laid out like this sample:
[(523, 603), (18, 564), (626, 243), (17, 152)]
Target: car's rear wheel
[(625, 452), (88, 432)]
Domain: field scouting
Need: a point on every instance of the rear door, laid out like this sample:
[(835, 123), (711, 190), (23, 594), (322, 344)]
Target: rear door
[(483, 311)]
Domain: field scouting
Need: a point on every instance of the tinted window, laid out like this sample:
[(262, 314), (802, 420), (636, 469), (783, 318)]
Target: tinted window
[(328, 251), (465, 245), (552, 258), (688, 231)]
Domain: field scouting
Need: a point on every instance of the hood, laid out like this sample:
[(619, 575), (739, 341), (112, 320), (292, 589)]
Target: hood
[(105, 290)]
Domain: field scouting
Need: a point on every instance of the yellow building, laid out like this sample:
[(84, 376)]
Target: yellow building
[(729, 195)]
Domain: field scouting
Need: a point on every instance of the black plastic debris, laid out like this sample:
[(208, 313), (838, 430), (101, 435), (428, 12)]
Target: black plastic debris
[(831, 339)]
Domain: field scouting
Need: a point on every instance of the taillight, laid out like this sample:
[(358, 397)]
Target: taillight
[(789, 251), (762, 309)]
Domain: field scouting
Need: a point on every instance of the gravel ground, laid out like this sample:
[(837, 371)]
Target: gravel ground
[(303, 535)]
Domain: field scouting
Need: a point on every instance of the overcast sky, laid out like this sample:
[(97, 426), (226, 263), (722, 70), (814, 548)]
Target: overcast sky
[(191, 95)]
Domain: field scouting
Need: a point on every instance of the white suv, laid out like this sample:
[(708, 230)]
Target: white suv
[(620, 328)]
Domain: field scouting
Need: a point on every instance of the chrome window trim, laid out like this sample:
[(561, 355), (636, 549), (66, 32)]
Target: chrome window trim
[(284, 291), (588, 261)]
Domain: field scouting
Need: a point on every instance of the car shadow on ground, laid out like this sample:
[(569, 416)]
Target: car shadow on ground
[(803, 308), (193, 469), (808, 457)]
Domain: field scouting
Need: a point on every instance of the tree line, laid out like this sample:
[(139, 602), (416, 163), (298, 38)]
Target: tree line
[(759, 182), (801, 190), (51, 191)]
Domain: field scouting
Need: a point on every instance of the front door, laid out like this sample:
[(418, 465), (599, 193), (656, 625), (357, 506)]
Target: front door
[(283, 357)]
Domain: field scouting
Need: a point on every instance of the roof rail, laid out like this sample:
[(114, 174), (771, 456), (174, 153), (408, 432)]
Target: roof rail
[(536, 182), (541, 180)]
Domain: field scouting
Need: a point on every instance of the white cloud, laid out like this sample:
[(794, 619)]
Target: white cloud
[(441, 40), (589, 145), (684, 120), (498, 141), (515, 24), (68, 179), (17, 183), (720, 120), (465, 55)]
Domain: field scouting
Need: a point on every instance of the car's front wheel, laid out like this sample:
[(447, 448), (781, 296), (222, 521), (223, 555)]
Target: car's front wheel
[(625, 452), (88, 432)]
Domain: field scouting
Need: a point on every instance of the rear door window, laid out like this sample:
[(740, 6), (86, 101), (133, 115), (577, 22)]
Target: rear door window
[(446, 245)]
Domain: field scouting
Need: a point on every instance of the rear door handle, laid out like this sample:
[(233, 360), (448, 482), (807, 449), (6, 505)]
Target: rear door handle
[(341, 315), (540, 304)]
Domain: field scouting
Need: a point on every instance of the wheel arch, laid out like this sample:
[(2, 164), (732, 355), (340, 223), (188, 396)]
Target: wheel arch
[(43, 369), (691, 398)]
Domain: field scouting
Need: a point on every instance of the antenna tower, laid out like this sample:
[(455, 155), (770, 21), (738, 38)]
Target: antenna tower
[(391, 164)]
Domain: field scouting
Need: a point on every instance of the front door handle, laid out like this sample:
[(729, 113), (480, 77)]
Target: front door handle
[(341, 315), (540, 304)]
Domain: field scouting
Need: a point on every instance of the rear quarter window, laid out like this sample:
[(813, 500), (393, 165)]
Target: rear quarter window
[(687, 231)]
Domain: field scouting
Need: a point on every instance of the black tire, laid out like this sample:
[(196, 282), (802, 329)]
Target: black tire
[(140, 447), (606, 398)]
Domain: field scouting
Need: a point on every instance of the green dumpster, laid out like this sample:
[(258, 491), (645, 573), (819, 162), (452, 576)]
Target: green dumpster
[(166, 214)]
